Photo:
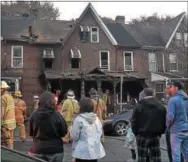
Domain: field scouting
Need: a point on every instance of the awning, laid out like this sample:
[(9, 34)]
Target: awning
[(75, 53), (160, 76), (84, 28)]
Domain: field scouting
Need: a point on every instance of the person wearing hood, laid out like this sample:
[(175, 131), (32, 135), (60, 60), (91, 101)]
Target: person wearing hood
[(47, 127), (86, 132), (69, 110), (147, 127), (177, 122)]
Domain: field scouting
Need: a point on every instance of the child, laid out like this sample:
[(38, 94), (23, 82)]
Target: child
[(130, 143)]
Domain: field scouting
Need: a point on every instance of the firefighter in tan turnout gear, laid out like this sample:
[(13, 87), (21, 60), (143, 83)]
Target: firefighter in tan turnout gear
[(20, 113), (69, 111), (8, 122)]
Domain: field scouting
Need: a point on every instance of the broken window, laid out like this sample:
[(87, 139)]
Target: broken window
[(84, 33), (48, 63), (75, 63)]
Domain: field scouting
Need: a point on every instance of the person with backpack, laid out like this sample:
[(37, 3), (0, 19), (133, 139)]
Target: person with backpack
[(177, 121)]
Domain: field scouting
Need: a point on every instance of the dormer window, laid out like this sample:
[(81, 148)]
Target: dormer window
[(48, 53), (48, 56), (84, 33), (94, 34)]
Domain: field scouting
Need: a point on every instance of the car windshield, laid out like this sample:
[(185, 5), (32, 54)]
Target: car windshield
[(8, 155)]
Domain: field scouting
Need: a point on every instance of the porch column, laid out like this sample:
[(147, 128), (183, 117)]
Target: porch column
[(82, 88), (99, 86), (115, 97)]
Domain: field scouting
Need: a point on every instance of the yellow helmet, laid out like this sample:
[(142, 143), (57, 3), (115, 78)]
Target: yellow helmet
[(4, 85), (18, 94)]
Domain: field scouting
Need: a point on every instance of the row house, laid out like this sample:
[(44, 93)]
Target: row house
[(92, 52)]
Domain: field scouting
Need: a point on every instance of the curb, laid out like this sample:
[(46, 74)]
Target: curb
[(122, 139)]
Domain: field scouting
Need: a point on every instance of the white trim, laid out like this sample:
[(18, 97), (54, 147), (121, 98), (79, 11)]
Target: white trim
[(108, 58), (164, 67), (12, 50), (173, 62), (149, 61), (81, 28), (48, 56), (94, 27), (132, 60), (79, 54), (72, 53), (101, 23), (174, 32)]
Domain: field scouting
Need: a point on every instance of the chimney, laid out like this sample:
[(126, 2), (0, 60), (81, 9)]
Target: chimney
[(30, 31), (120, 19)]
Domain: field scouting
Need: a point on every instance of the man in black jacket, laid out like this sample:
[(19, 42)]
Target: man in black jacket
[(148, 124)]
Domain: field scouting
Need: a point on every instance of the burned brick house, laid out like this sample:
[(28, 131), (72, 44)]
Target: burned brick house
[(92, 52)]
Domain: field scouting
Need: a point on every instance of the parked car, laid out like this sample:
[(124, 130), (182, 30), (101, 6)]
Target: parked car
[(118, 123), (9, 155)]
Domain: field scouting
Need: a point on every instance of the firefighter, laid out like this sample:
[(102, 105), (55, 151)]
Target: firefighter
[(20, 113), (99, 107), (8, 121), (69, 110)]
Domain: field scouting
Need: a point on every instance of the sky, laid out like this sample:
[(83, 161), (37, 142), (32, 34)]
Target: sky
[(130, 10)]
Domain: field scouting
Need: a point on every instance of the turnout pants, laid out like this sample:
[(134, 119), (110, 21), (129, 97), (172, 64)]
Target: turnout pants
[(8, 135), (149, 145), (21, 128)]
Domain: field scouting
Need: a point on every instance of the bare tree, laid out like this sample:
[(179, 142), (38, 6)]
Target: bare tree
[(41, 10), (155, 18)]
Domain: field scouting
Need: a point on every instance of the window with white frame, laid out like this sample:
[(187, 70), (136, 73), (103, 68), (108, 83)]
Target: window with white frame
[(186, 39), (152, 62), (128, 61), (173, 62), (105, 60), (94, 34), (17, 56)]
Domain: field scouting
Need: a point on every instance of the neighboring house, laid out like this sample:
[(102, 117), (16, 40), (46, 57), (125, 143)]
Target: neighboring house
[(92, 52)]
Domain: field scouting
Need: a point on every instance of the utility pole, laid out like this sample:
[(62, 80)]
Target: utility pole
[(121, 93)]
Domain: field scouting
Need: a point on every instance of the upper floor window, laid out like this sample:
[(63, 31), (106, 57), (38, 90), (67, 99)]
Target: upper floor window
[(75, 58), (94, 34), (178, 36), (128, 61), (173, 62), (152, 62), (17, 57), (105, 60), (48, 56), (186, 39), (84, 33)]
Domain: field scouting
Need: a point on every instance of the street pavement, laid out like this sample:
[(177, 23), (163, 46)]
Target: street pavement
[(114, 147)]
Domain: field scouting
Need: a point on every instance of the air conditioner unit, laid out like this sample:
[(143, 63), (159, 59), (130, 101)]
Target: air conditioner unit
[(48, 53)]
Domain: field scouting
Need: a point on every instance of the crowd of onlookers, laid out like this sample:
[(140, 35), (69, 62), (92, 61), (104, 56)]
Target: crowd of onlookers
[(150, 120), (80, 123)]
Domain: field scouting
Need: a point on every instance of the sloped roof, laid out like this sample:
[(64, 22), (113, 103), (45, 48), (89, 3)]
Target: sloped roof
[(55, 31), (121, 35), (143, 34), (46, 30)]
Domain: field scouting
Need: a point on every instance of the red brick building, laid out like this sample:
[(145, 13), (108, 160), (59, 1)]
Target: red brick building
[(92, 52)]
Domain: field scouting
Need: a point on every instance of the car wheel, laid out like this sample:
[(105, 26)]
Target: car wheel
[(121, 128)]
